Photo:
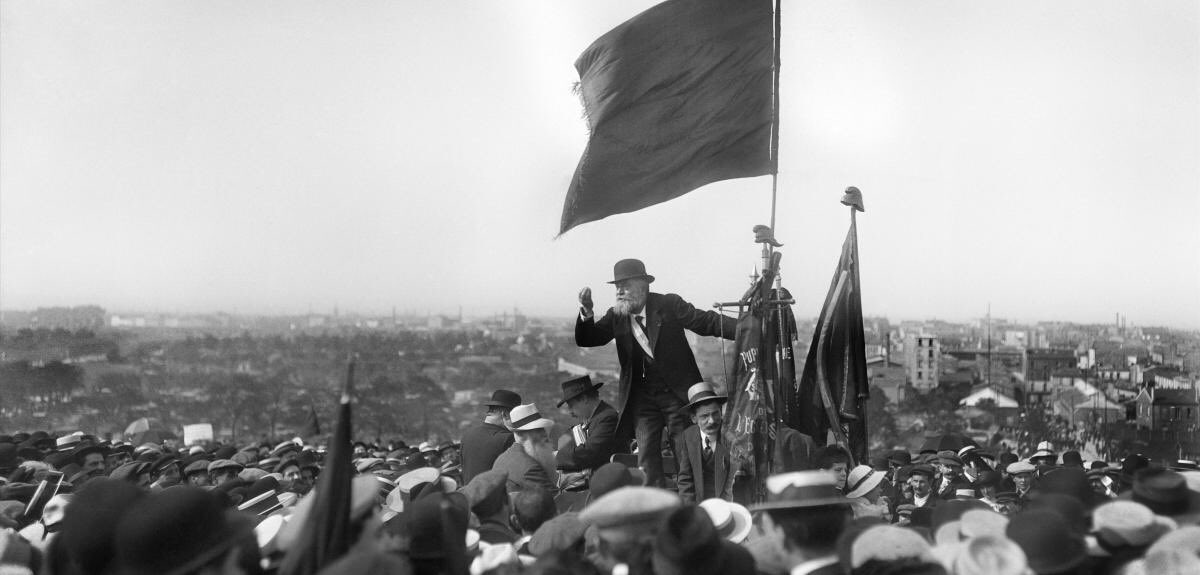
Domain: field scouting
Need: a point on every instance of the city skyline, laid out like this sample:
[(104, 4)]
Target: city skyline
[(1119, 320), (259, 159)]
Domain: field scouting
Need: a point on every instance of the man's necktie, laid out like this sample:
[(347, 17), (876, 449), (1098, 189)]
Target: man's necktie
[(640, 334), (708, 449)]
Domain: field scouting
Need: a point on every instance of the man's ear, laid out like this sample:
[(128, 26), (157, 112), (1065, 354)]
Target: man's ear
[(515, 523)]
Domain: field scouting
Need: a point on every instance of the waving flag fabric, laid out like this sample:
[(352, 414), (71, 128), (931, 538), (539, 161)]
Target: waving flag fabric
[(677, 97), (834, 387)]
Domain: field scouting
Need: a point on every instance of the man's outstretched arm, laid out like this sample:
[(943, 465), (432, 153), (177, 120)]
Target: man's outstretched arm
[(708, 323)]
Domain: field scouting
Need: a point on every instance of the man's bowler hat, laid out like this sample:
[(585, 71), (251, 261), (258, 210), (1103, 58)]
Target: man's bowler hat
[(504, 398), (573, 388), (630, 269)]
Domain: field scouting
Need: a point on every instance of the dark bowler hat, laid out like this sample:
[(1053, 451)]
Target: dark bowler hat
[(800, 489), (504, 398), (176, 530), (1048, 542), (427, 523), (1165, 492), (630, 269), (87, 528), (573, 388), (899, 457), (700, 393), (610, 477)]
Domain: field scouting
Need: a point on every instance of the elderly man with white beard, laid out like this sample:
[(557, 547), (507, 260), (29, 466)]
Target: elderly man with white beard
[(529, 462), (657, 365)]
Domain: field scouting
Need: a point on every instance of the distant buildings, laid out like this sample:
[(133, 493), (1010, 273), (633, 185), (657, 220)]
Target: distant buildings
[(69, 318), (889, 376), (1041, 363), (922, 356), (1168, 409)]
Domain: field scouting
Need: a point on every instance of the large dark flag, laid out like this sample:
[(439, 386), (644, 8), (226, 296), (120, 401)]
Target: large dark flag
[(325, 536), (834, 388), (677, 97), (764, 369)]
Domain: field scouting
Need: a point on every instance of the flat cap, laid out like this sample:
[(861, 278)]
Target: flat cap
[(949, 458), (630, 510), (558, 534), (200, 466), (1021, 467), (225, 464), (922, 469), (483, 485), (366, 464)]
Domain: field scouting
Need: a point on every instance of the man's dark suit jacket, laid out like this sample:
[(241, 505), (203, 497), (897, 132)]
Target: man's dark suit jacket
[(481, 445), (793, 450), (601, 441), (523, 470), (666, 318), (690, 480)]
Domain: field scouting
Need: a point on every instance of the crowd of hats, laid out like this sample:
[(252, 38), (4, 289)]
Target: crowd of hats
[(153, 509)]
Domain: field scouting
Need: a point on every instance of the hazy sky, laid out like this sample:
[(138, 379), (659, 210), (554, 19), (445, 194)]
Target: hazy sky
[(275, 156)]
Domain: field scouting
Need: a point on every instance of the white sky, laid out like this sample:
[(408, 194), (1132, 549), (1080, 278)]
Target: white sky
[(272, 156)]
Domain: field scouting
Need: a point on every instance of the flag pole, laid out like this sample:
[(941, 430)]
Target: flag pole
[(775, 115)]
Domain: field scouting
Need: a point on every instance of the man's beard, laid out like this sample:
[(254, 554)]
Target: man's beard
[(626, 307)]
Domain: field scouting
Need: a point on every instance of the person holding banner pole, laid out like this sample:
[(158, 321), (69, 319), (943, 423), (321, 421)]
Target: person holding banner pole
[(657, 364)]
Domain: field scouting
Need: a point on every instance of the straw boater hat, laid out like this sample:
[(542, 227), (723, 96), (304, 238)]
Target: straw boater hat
[(573, 388), (700, 393), (1044, 449), (527, 418), (68, 441), (630, 269), (732, 520), (800, 489), (1128, 524)]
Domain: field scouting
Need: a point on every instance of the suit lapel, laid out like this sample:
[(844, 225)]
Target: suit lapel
[(653, 319), (696, 454), (720, 470)]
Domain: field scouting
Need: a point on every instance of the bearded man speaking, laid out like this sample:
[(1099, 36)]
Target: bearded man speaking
[(657, 365)]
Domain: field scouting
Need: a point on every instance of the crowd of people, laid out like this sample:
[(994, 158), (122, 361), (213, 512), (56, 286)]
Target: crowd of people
[(79, 504), (646, 487)]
